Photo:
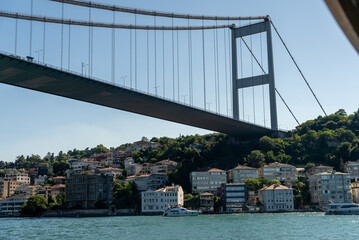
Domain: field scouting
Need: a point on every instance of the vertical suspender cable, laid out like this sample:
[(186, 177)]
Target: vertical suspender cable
[(254, 104), (204, 69), (230, 67), (264, 107), (148, 62), (16, 23), (135, 52), (189, 64), (173, 63), (225, 67), (89, 55), (178, 75), (62, 34), (113, 49), (240, 51), (69, 52), (31, 9), (155, 56), (163, 62), (92, 28), (217, 66), (44, 43), (191, 67), (131, 58)]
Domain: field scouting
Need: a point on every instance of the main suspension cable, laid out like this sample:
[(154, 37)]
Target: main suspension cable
[(151, 13), (101, 25), (300, 71)]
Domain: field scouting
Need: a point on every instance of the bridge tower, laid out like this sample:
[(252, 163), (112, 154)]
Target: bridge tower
[(267, 78)]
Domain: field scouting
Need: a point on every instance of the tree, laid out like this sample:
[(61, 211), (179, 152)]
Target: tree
[(309, 166), (252, 184), (60, 168), (34, 206), (255, 159), (275, 181)]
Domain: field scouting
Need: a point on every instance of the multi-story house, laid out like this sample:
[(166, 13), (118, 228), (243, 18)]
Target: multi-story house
[(241, 173), (319, 169), (149, 181), (18, 177), (8, 187), (330, 186), (161, 167), (10, 206), (158, 200), (233, 197), (276, 198), (207, 202), (280, 171), (208, 181), (83, 190), (355, 191), (110, 171), (352, 168), (134, 169)]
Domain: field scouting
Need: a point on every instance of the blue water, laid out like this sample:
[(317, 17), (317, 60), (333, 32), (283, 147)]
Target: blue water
[(236, 226)]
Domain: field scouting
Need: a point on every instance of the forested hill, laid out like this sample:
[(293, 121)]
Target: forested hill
[(330, 140)]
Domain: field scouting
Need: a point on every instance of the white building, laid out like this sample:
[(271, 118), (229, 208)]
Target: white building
[(157, 201), (18, 177), (241, 173), (276, 198), (12, 205), (208, 181)]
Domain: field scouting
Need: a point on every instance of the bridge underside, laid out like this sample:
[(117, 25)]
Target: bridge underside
[(17, 72)]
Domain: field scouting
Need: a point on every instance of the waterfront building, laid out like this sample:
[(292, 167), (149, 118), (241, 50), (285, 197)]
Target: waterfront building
[(352, 168), (8, 187), (10, 206), (330, 186), (158, 200), (207, 202), (233, 197), (319, 169), (148, 181), (280, 171), (239, 174), (276, 198), (355, 191), (83, 190), (208, 181), (18, 177), (253, 198)]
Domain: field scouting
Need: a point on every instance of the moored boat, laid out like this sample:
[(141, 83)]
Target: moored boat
[(342, 209), (176, 211)]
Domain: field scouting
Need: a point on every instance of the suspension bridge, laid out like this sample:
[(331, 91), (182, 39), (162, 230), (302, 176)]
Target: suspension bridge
[(211, 61)]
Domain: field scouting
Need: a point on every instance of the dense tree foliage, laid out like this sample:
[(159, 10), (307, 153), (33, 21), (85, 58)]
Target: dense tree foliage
[(126, 196), (34, 206)]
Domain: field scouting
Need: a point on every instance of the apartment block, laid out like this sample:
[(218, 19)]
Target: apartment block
[(208, 181), (282, 172), (8, 187), (352, 168), (149, 181), (330, 186), (241, 173), (233, 197)]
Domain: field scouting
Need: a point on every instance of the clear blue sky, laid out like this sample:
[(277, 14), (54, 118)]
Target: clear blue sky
[(37, 123)]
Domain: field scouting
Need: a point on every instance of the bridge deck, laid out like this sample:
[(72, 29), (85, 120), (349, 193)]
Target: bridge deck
[(17, 72)]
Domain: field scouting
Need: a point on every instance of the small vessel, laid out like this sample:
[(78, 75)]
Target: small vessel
[(342, 208), (176, 211)]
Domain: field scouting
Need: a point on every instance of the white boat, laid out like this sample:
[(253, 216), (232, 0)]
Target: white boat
[(176, 211), (342, 209)]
